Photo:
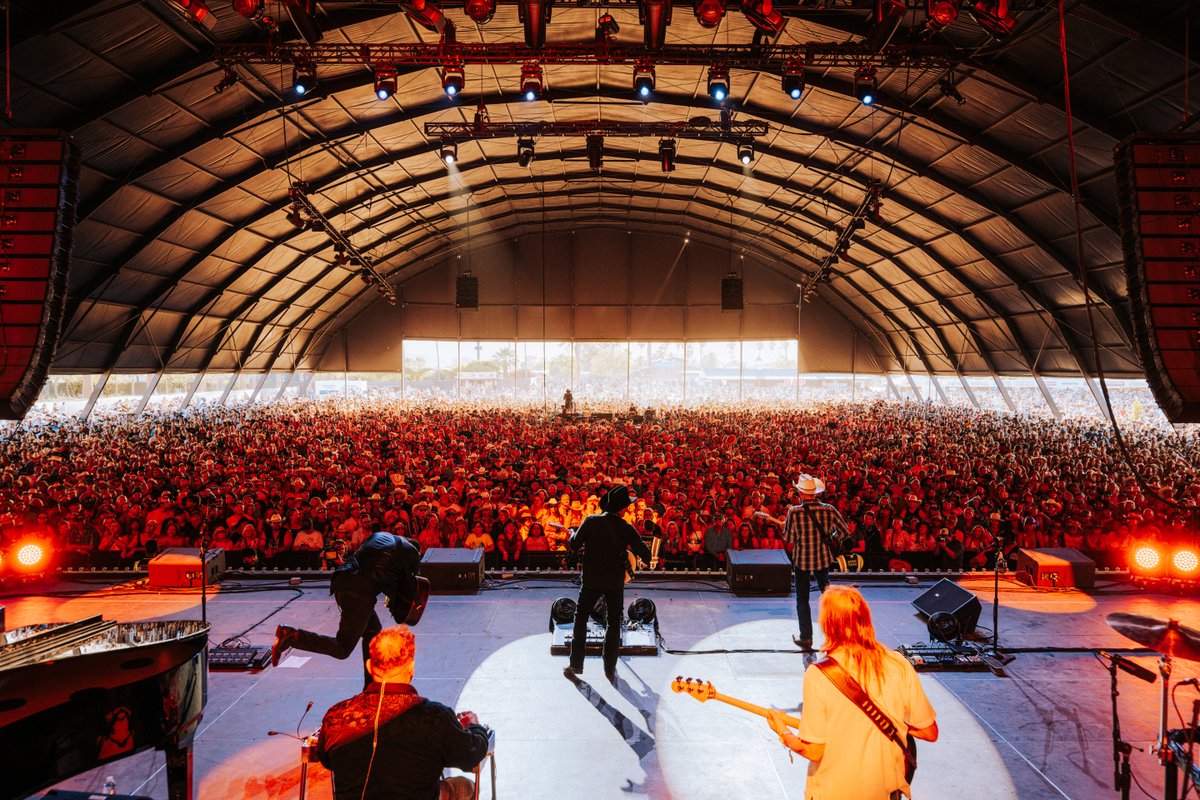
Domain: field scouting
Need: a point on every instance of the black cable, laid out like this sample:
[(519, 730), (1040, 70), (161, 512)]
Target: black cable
[(237, 636)]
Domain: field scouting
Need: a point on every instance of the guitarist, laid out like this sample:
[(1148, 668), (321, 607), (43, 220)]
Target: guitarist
[(606, 538), (851, 754), (383, 564), (809, 528)]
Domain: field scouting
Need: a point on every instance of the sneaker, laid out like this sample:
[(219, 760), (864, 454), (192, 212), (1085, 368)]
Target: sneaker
[(802, 643), (285, 637)]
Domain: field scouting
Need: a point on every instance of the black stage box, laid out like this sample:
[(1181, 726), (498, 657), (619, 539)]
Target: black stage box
[(453, 570), (758, 572), (953, 599), (1056, 568)]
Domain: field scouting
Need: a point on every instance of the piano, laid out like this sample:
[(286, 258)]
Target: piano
[(80, 694)]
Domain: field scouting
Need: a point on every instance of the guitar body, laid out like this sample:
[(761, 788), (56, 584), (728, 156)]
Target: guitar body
[(910, 759), (573, 561), (416, 605)]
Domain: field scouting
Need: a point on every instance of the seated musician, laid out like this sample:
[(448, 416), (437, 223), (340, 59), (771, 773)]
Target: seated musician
[(389, 743)]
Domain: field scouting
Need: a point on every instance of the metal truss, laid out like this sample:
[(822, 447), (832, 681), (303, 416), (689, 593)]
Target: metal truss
[(698, 128)]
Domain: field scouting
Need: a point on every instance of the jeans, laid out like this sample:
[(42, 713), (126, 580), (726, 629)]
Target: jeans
[(803, 588), (359, 621), (614, 599)]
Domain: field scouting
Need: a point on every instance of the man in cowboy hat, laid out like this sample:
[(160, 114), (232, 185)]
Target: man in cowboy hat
[(809, 528), (606, 538)]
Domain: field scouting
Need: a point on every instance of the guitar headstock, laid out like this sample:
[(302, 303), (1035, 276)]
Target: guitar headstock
[(701, 690)]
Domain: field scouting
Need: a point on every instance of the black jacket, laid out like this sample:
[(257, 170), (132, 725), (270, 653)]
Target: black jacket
[(418, 738), (605, 539), (383, 564)]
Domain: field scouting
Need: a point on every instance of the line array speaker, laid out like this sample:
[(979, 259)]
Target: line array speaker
[(1158, 196), (731, 293), (466, 292), (39, 190)]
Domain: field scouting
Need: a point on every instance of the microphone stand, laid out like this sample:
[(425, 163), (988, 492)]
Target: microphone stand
[(1003, 658), (1121, 749)]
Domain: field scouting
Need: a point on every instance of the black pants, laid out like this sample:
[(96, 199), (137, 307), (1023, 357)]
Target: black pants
[(614, 599), (803, 589), (359, 621)]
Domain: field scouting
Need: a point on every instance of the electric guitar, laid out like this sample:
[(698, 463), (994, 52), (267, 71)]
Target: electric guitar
[(630, 566)]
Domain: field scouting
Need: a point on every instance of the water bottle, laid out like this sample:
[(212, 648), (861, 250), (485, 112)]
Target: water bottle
[(110, 785)]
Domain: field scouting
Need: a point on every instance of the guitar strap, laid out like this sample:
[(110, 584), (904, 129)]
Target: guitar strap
[(846, 684)]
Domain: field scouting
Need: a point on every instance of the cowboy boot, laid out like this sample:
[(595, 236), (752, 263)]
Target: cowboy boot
[(285, 638)]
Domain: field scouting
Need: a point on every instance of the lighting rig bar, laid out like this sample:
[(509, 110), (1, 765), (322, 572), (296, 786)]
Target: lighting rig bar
[(769, 58), (868, 208), (463, 131), (298, 194)]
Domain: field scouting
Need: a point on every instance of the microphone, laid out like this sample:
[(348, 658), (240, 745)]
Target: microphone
[(1136, 670), (1190, 682)]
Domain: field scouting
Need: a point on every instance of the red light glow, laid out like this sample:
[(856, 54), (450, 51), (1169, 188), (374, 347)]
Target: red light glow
[(1147, 557)]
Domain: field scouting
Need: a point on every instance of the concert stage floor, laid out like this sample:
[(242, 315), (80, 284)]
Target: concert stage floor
[(1041, 732)]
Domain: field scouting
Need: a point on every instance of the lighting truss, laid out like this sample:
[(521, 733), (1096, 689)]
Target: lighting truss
[(298, 194), (698, 128), (867, 209)]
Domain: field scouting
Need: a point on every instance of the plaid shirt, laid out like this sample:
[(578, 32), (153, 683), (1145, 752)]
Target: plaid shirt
[(800, 531)]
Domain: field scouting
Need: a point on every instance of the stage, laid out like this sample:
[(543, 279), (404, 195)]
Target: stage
[(1041, 732)]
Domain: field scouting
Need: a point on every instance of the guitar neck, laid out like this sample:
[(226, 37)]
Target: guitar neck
[(762, 711)]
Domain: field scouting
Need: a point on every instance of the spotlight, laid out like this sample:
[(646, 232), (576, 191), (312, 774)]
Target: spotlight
[(562, 612), (524, 152), (746, 152), (198, 12), (793, 78), (939, 14), (643, 78), (949, 89), (595, 151), (709, 13), (385, 79), (449, 151), (426, 14), (294, 217), (1186, 562), (453, 79), (531, 80), (866, 84), (304, 77), (764, 16), (718, 82), (642, 611), (480, 11), (1147, 558), (606, 28), (666, 154), (30, 555), (993, 17), (230, 78), (655, 16), (250, 9)]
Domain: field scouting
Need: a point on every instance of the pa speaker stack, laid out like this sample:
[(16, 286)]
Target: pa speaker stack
[(39, 189), (753, 572), (1158, 195), (1056, 568)]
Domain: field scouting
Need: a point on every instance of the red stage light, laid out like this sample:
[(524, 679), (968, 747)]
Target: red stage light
[(939, 14), (709, 13), (199, 12), (248, 8), (1147, 558), (480, 11), (764, 16), (1186, 561), (31, 556)]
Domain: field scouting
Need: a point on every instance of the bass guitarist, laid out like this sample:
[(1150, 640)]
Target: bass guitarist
[(606, 539), (810, 529)]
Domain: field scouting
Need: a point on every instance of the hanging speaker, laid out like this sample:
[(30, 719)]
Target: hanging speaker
[(731, 293), (1158, 196), (39, 190), (466, 292)]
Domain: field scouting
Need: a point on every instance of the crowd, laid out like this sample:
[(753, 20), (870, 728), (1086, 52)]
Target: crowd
[(303, 483)]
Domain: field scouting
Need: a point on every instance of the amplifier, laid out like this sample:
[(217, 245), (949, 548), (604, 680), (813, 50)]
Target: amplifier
[(453, 570), (1056, 568), (179, 567), (758, 572)]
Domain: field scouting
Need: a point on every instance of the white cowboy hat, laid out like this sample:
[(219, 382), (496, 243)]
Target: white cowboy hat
[(807, 484)]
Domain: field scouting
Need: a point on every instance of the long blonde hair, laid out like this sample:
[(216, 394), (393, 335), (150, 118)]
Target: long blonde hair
[(845, 620)]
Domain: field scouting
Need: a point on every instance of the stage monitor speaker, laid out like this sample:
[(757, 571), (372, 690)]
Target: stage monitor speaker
[(1158, 197), (466, 292), (731, 293), (1056, 567), (179, 567), (953, 599), (453, 570), (39, 190), (758, 572)]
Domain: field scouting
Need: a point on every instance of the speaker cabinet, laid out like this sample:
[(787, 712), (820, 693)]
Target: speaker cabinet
[(453, 570), (953, 599), (731, 294), (466, 292), (1158, 196), (1056, 568), (39, 190), (758, 572)]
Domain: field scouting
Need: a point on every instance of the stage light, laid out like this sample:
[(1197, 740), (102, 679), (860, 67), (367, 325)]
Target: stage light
[(943, 627), (1146, 558), (294, 217), (248, 8), (655, 16), (304, 77), (642, 611), (666, 154), (939, 14), (993, 17), (480, 11), (866, 84), (197, 11), (595, 151), (763, 15), (525, 152), (30, 556), (562, 612), (454, 79), (606, 28), (949, 89), (746, 152), (426, 14), (718, 82), (1186, 562), (709, 13), (385, 79), (643, 78), (792, 82), (449, 151), (531, 80)]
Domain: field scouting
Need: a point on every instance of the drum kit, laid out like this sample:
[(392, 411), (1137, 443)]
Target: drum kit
[(1176, 748)]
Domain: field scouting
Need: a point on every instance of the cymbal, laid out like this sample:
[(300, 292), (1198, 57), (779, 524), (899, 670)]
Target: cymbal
[(1166, 636)]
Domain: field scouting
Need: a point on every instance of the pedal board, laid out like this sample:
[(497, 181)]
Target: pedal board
[(636, 640), (239, 659), (927, 658)]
